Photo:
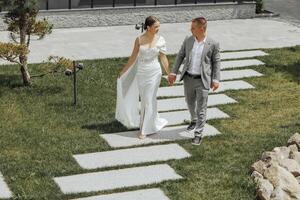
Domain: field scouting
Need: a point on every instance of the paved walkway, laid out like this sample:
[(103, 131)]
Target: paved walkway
[(117, 41), (289, 10)]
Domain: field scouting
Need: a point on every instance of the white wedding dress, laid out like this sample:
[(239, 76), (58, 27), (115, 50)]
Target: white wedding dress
[(142, 80)]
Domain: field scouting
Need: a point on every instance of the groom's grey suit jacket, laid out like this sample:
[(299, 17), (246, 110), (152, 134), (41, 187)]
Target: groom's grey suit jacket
[(210, 60)]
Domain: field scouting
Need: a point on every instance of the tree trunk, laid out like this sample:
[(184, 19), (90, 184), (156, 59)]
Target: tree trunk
[(23, 58), (25, 73)]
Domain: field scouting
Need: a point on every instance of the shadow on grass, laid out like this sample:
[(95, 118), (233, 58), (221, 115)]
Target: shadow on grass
[(286, 61), (111, 127), (15, 81), (293, 69), (48, 90), (10, 81), (63, 105), (297, 125)]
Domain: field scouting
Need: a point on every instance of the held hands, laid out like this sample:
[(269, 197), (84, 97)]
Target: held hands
[(171, 79), (214, 86)]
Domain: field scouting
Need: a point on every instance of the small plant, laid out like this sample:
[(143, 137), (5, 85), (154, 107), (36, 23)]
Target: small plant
[(23, 24), (55, 64), (259, 6)]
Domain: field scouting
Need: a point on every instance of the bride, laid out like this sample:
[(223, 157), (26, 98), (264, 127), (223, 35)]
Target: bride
[(141, 77)]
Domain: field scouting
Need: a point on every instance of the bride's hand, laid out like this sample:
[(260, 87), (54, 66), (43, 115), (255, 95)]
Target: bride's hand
[(123, 71), (120, 74)]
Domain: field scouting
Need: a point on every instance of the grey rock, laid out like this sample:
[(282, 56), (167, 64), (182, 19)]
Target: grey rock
[(271, 156), (256, 175), (272, 174), (293, 148), (259, 166), (265, 189), (288, 183), (291, 165), (295, 156), (279, 194), (277, 174), (282, 152), (295, 139)]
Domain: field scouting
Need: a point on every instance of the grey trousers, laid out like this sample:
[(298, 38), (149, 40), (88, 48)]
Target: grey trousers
[(196, 97)]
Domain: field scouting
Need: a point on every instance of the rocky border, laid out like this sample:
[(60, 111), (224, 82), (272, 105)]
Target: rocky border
[(277, 173)]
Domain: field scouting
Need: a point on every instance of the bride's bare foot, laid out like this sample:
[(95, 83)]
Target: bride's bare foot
[(141, 136)]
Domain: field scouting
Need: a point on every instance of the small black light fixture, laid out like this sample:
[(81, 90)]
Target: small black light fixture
[(140, 26), (77, 66)]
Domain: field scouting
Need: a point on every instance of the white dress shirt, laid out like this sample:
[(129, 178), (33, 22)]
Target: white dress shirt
[(196, 57)]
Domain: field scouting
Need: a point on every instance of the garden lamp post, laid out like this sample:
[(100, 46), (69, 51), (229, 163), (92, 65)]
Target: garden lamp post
[(140, 26), (68, 72)]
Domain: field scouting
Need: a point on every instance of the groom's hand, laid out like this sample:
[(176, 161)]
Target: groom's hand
[(171, 79), (214, 86)]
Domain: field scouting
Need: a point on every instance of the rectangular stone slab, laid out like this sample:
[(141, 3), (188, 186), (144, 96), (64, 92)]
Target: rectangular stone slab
[(242, 54), (5, 193), (179, 117), (131, 156), (147, 194), (130, 138), (114, 179), (231, 75), (238, 74), (177, 90), (180, 104), (236, 64), (240, 63)]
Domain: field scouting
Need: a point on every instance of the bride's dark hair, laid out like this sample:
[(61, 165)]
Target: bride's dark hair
[(150, 21)]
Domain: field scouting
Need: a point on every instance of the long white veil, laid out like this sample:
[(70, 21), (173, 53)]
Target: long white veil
[(127, 108)]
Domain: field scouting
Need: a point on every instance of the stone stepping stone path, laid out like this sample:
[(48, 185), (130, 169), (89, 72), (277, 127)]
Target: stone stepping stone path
[(231, 75), (237, 74), (5, 193), (114, 179), (240, 63), (179, 117), (237, 64), (131, 156), (242, 54), (180, 104), (129, 138), (133, 150), (148, 194), (177, 91)]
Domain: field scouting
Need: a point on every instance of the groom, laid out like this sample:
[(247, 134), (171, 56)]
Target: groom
[(201, 72)]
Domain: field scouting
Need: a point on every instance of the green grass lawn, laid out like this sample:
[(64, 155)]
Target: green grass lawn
[(40, 130)]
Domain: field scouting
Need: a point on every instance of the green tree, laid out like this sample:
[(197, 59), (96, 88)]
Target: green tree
[(22, 23), (259, 6)]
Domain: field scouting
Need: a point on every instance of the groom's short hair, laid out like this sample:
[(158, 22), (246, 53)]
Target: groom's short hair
[(201, 21)]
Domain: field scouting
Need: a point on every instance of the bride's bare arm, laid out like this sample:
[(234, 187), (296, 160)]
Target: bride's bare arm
[(132, 58), (165, 63)]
